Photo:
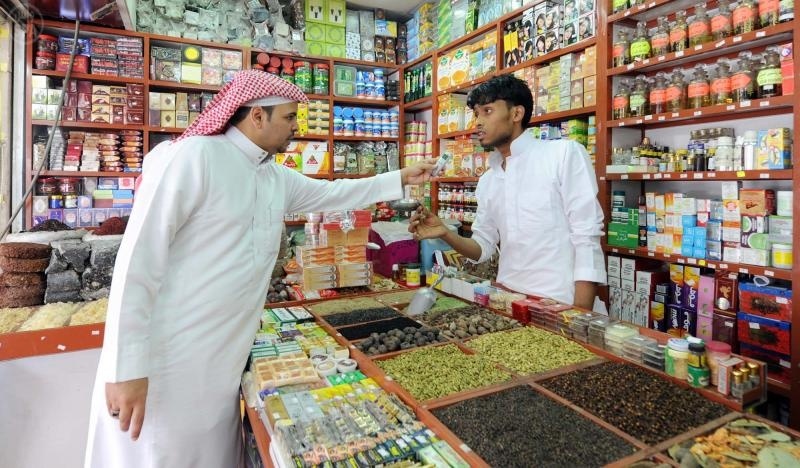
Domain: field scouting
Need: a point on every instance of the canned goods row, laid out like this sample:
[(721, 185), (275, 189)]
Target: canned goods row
[(373, 116), (358, 127)]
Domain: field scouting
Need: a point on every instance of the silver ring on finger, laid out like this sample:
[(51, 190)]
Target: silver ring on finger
[(114, 413)]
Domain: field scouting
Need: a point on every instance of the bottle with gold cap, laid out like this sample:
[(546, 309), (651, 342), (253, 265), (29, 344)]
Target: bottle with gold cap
[(755, 374), (737, 387), (745, 377)]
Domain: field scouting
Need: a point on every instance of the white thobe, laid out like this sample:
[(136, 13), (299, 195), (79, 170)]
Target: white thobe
[(189, 285), (543, 212)]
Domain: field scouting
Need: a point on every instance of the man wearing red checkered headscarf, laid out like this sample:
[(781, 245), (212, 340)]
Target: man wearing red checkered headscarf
[(192, 275)]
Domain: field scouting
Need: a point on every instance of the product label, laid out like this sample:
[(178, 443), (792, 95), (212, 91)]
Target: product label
[(677, 35), (721, 86), (697, 90), (740, 81), (637, 101), (698, 29), (640, 49), (674, 93), (620, 102), (620, 5), (658, 96), (720, 23), (770, 76), (768, 7), (618, 51), (743, 15), (660, 42)]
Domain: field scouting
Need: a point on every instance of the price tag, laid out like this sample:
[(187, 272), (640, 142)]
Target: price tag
[(465, 448), (646, 62), (737, 39), (602, 178), (744, 104), (95, 332), (627, 13), (631, 252), (692, 261), (731, 107), (615, 250), (676, 114), (638, 121), (662, 118), (661, 58), (781, 300), (771, 273), (754, 326), (648, 117), (761, 34), (667, 256), (651, 5), (646, 176), (389, 378), (744, 271), (641, 7), (61, 347), (684, 175), (698, 113), (658, 176), (651, 254), (729, 324), (698, 175), (630, 66), (624, 177), (667, 176), (719, 44), (763, 175), (698, 47), (723, 266), (621, 124), (740, 174), (681, 260), (763, 104), (679, 54), (712, 175), (701, 262)]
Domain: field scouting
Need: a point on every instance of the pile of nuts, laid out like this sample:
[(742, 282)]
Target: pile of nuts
[(467, 322)]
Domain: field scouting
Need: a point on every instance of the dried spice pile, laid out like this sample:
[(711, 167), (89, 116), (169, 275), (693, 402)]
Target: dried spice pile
[(361, 316)]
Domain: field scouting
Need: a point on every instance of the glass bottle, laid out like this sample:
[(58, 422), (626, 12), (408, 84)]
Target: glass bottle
[(640, 46), (698, 92), (619, 5), (769, 77), (721, 25), (658, 95), (676, 95), (659, 42), (621, 51), (744, 17), (737, 387), (743, 86), (640, 98), (620, 108), (699, 29), (769, 12), (755, 374), (721, 84), (678, 35), (786, 10)]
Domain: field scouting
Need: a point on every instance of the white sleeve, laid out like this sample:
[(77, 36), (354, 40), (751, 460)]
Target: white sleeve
[(171, 189), (307, 194), (579, 193), (484, 228)]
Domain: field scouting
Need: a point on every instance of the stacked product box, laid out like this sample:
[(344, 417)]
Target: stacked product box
[(325, 33), (87, 102), (175, 110), (421, 31), (469, 159), (631, 284), (307, 157), (568, 83), (467, 63), (85, 203), (764, 326), (194, 64)]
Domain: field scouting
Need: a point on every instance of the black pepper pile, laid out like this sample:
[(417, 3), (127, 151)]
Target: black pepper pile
[(361, 316), (649, 408), (521, 428), (358, 332)]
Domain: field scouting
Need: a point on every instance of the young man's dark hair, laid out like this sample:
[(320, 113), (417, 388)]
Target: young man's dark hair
[(242, 112), (510, 89)]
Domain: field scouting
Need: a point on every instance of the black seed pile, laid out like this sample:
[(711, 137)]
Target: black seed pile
[(361, 316), (521, 428), (358, 332), (648, 407)]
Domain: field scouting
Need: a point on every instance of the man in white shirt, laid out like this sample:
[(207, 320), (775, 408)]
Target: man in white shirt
[(192, 275), (538, 202)]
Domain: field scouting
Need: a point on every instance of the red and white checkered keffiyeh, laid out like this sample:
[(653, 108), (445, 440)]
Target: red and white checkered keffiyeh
[(246, 86)]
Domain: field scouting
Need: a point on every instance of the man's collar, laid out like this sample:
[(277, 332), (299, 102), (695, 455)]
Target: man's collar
[(517, 146), (253, 152)]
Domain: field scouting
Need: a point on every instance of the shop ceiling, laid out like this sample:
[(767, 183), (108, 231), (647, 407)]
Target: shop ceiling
[(115, 13)]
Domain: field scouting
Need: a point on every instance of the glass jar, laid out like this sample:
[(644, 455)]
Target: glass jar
[(769, 12), (676, 358), (678, 34), (676, 95), (743, 86), (786, 10), (659, 42), (744, 17), (769, 77), (303, 77), (658, 95), (321, 78), (619, 5), (699, 29), (755, 374), (620, 106), (621, 50), (716, 351), (721, 84), (640, 46), (721, 25), (697, 352), (640, 98), (47, 186), (288, 75), (723, 157), (698, 92)]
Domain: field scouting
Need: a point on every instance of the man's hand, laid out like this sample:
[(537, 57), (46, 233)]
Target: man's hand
[(418, 173), (126, 401), (425, 225)]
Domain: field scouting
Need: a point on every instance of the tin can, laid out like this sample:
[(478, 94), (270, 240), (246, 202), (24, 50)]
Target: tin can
[(56, 202), (412, 274), (70, 201)]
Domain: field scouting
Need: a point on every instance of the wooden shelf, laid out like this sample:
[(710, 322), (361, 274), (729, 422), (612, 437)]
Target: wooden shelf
[(88, 125), (365, 102), (418, 61), (444, 180), (364, 64), (486, 28), (311, 137), (553, 116), (181, 40), (317, 97), (718, 112), (549, 57), (87, 76), (164, 129), (51, 341), (352, 176), (457, 134), (780, 174), (88, 174), (294, 223), (419, 104), (748, 41), (183, 86), (364, 138), (633, 13), (641, 252), (779, 388), (468, 84)]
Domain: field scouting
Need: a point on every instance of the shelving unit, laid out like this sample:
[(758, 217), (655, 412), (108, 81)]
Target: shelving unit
[(788, 106)]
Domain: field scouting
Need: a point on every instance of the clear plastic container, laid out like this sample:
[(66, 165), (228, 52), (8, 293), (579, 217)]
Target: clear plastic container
[(634, 347), (616, 335), (654, 357), (716, 351), (597, 331), (580, 326), (676, 358)]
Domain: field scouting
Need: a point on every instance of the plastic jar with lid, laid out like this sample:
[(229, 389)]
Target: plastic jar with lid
[(676, 358), (723, 157), (369, 90), (394, 116), (56, 202), (361, 89), (782, 256), (303, 77), (321, 78), (380, 89), (338, 126), (360, 128), (697, 353), (716, 351), (349, 127)]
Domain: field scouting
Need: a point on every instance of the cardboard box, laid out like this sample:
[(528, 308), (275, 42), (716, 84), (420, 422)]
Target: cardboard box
[(773, 335), (757, 202)]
